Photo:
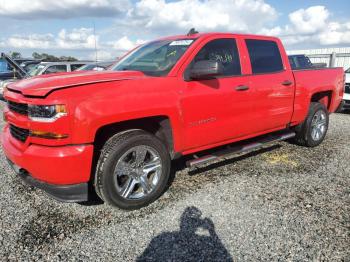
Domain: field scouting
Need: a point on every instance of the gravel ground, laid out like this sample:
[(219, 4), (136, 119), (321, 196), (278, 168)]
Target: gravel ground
[(282, 203)]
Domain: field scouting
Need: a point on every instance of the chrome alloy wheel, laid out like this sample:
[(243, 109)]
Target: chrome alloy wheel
[(137, 172), (318, 125)]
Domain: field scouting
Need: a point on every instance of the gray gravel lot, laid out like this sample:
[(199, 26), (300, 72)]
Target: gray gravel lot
[(284, 203)]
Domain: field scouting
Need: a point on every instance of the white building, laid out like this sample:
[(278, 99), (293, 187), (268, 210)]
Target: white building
[(339, 56)]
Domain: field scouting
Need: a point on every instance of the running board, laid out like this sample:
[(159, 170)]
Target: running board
[(258, 143)]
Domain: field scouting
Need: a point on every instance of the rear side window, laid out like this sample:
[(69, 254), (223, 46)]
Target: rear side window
[(74, 67), (264, 56), (224, 51), (56, 69)]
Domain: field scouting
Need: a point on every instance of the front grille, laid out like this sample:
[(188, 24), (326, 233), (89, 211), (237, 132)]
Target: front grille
[(20, 134), (18, 107), (347, 88)]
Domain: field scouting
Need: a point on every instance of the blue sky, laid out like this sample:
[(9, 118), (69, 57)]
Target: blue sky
[(65, 27)]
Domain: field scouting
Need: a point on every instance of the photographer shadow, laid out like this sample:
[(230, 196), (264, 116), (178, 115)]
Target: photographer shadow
[(196, 240)]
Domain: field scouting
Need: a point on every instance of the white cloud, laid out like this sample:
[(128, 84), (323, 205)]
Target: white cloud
[(37, 9), (30, 41), (125, 44), (310, 20), (207, 15), (335, 33), (82, 38), (149, 19), (311, 26)]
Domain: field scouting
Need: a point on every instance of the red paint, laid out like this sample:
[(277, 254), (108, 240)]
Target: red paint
[(203, 114)]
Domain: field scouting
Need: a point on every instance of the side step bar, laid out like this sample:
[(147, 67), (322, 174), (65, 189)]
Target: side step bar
[(240, 148)]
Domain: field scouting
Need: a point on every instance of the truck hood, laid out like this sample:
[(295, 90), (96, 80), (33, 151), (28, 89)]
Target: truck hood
[(41, 86)]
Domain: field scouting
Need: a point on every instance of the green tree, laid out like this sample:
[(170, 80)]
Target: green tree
[(15, 55), (51, 58)]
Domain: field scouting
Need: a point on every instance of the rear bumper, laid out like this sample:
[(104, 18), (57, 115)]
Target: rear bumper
[(346, 105), (63, 193)]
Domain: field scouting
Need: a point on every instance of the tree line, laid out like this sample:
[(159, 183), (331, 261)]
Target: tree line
[(44, 57)]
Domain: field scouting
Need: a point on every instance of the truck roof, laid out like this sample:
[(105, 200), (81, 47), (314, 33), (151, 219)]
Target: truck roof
[(205, 35)]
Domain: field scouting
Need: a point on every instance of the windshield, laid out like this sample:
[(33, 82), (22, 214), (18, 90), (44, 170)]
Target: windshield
[(156, 58), (36, 70), (348, 71)]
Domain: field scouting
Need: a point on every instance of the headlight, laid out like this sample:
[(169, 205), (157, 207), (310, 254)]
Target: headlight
[(46, 113)]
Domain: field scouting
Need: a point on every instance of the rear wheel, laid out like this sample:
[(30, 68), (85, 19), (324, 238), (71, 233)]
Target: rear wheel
[(313, 130), (133, 170)]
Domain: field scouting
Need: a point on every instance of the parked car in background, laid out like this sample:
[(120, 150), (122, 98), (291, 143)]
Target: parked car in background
[(7, 71), (98, 66), (28, 65), (346, 98), (300, 62), (14, 72), (116, 132), (45, 68)]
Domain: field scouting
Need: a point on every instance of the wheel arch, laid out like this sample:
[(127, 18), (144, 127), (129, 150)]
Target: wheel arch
[(323, 97), (160, 126)]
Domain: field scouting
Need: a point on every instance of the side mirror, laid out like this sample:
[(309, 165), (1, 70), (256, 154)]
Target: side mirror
[(206, 69)]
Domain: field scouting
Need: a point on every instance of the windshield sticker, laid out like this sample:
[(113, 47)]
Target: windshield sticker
[(181, 42)]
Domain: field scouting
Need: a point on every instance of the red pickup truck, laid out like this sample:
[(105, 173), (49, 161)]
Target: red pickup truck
[(116, 132)]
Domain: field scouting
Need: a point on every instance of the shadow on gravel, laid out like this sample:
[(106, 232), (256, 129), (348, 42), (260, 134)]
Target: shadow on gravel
[(196, 240)]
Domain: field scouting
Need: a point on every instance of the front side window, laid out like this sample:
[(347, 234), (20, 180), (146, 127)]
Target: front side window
[(264, 56), (156, 58), (224, 51)]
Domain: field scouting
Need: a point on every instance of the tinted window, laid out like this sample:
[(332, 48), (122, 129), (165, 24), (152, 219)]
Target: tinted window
[(224, 51), (264, 56), (304, 62), (292, 63), (56, 69)]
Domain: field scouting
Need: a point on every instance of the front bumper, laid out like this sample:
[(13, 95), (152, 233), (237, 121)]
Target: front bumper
[(62, 171), (63, 193)]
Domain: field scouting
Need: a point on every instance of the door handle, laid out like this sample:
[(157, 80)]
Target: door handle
[(287, 83), (242, 88)]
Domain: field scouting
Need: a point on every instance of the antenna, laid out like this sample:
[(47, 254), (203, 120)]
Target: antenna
[(192, 32), (95, 41)]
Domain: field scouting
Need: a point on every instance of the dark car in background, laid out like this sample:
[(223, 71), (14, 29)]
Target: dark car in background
[(300, 62)]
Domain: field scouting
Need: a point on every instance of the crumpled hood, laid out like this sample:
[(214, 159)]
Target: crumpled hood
[(42, 85)]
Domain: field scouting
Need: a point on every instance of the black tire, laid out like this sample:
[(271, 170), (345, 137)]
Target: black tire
[(304, 131), (112, 151)]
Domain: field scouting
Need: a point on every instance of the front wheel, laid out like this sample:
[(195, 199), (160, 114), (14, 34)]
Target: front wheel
[(133, 170), (313, 130)]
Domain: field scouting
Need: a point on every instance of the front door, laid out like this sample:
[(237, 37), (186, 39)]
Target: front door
[(219, 109)]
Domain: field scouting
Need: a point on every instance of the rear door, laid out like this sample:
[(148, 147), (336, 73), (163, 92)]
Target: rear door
[(273, 84)]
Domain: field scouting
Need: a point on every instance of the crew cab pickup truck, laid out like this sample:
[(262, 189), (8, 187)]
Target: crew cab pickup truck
[(198, 95)]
